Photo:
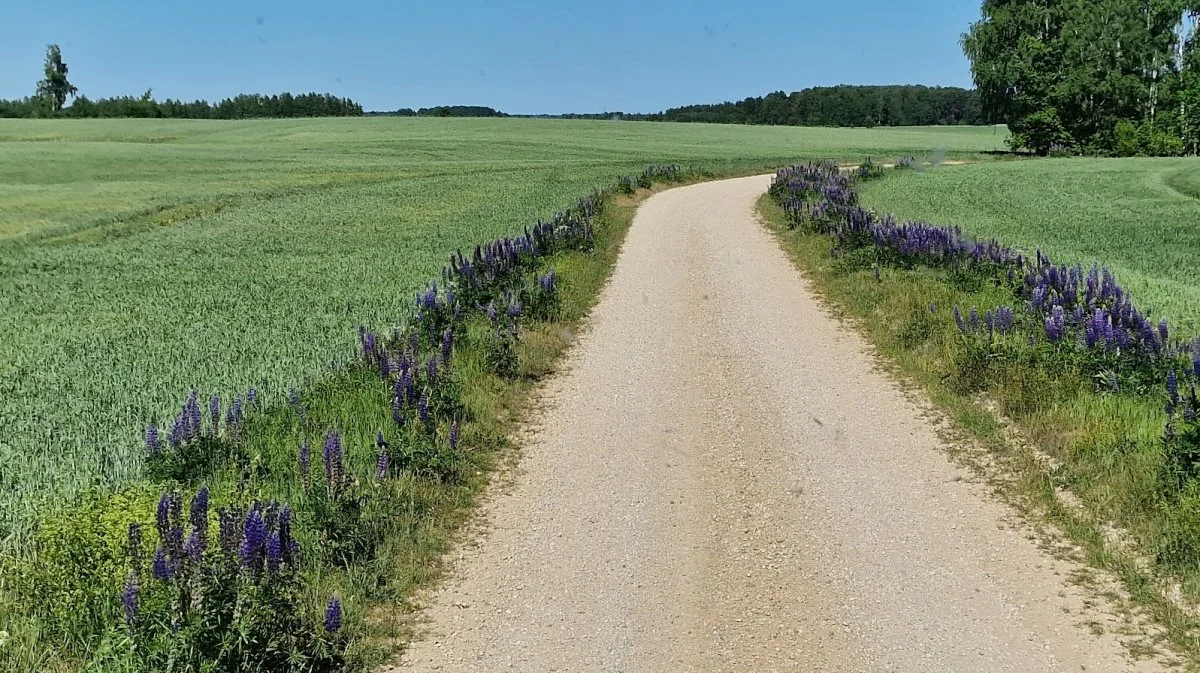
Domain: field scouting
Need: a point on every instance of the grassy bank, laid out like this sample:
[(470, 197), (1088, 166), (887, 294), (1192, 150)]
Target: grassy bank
[(1070, 432), (372, 503)]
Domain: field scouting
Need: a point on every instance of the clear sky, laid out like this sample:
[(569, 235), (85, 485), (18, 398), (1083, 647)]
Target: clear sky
[(523, 57)]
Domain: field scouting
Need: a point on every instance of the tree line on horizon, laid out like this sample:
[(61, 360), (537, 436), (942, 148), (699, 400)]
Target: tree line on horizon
[(1110, 77), (55, 89), (843, 105)]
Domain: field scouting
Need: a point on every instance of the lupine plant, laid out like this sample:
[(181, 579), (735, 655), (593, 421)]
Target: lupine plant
[(232, 605), (195, 440), (542, 298), (869, 170), (658, 173), (1182, 436)]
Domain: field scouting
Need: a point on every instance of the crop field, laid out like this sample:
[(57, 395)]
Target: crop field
[(1140, 217), (144, 258)]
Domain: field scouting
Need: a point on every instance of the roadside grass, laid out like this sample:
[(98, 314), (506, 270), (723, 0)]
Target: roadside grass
[(1078, 464)]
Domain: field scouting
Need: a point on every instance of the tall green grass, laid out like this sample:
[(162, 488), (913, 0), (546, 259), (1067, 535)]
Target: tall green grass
[(1140, 217)]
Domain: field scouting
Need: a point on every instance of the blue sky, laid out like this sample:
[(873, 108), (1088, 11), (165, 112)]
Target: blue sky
[(523, 57)]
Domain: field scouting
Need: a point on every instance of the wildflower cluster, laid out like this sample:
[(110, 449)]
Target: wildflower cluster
[(233, 604)]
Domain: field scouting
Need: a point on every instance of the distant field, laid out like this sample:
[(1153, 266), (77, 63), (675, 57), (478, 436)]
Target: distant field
[(1141, 217), (140, 258)]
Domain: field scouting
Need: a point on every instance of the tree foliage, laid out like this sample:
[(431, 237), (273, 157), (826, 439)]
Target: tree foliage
[(845, 105), (1063, 74), (54, 87), (243, 106)]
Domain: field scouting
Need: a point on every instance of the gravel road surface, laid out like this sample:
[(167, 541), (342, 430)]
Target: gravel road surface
[(721, 479)]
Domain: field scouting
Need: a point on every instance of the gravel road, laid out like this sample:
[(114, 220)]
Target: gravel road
[(721, 479)]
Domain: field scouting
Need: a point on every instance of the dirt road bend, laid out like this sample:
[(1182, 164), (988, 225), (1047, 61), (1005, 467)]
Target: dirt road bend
[(722, 480)]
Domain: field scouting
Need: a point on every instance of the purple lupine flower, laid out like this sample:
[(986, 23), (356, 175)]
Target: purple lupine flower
[(305, 462), (958, 320), (251, 396), (254, 538), (231, 416), (153, 441), (1173, 387), (1055, 325), (130, 602), (194, 548), (175, 436), (198, 516), (288, 544), (1163, 333), (192, 413), (333, 615), (332, 457), (274, 552), (1149, 336), (214, 412), (399, 387), (973, 319), (454, 434), (423, 408), (431, 370), (162, 569), (229, 530), (514, 309), (491, 312), (1004, 319), (1196, 364), (932, 307), (410, 387), (294, 397), (369, 343), (385, 365), (382, 463), (447, 346)]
